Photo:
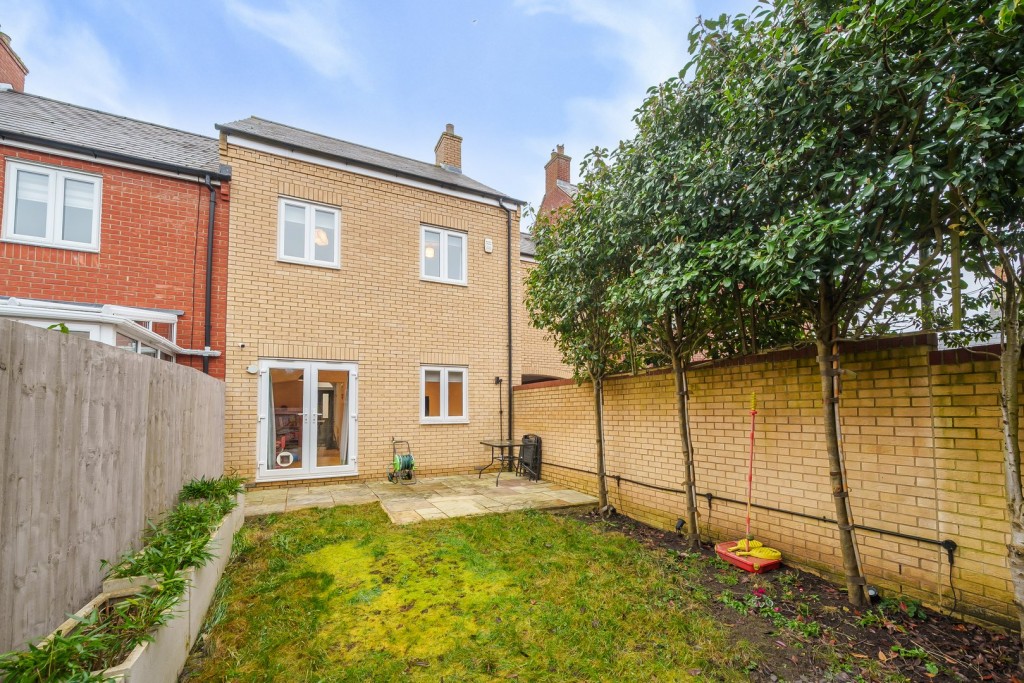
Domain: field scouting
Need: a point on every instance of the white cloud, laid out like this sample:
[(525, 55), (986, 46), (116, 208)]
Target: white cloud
[(313, 35), (646, 38), (68, 62)]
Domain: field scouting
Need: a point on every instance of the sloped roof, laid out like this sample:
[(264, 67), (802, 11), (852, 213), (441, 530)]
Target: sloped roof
[(35, 119), (527, 245), (567, 188), (297, 139)]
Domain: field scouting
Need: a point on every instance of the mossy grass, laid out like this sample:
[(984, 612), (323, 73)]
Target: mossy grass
[(341, 594)]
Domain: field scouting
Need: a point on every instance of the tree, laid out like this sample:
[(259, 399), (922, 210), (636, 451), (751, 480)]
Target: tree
[(836, 107), (567, 293), (977, 108), (674, 292)]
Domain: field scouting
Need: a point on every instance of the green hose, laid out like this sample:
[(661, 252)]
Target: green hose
[(404, 463)]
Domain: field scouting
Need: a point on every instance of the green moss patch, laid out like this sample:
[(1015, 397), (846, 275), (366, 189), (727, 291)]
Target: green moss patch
[(343, 595)]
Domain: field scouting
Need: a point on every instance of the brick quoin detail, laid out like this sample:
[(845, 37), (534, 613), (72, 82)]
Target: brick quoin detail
[(152, 252)]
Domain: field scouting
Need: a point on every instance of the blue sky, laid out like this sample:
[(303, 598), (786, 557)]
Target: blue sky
[(516, 77)]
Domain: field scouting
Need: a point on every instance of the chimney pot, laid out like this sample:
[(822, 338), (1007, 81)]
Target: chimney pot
[(448, 150)]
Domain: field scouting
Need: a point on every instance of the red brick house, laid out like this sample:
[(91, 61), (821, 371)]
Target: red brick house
[(107, 229)]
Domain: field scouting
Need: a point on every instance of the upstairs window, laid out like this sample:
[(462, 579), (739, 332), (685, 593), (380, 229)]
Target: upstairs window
[(52, 207), (443, 255), (308, 233)]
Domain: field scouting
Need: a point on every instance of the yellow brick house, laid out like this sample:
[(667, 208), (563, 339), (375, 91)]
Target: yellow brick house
[(369, 299)]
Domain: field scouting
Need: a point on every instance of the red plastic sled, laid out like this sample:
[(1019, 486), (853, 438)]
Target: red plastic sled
[(754, 565)]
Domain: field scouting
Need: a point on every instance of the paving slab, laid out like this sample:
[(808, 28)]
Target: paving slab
[(433, 498)]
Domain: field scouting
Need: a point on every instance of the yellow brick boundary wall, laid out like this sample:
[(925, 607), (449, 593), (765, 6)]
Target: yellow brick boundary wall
[(921, 437)]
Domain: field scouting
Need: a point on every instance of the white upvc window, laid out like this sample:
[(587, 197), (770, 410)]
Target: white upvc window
[(52, 207), (442, 255), (308, 233), (444, 394)]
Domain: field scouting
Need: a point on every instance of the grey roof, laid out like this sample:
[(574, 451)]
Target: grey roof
[(527, 245), (296, 139), (31, 118), (568, 188)]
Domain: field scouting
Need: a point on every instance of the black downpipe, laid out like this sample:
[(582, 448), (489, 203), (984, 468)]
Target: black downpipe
[(208, 323), (508, 254)]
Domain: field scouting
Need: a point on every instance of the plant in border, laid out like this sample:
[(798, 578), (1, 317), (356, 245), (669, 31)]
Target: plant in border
[(178, 542)]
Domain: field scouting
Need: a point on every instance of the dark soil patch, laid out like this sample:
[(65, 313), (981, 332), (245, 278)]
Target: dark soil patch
[(805, 629)]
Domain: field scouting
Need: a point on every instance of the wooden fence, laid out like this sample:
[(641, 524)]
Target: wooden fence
[(922, 440), (93, 442)]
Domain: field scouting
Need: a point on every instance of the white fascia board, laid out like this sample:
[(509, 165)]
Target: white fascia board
[(358, 170), (106, 162)]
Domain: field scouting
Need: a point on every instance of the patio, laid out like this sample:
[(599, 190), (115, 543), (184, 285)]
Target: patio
[(432, 498)]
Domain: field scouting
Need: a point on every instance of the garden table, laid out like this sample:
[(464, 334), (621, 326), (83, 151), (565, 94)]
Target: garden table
[(502, 453)]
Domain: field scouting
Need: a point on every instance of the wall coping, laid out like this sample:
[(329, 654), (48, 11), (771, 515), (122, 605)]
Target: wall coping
[(936, 356)]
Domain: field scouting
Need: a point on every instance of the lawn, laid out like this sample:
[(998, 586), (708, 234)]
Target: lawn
[(341, 594)]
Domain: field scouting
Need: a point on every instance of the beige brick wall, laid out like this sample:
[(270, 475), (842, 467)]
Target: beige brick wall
[(921, 438), (375, 310), (536, 349)]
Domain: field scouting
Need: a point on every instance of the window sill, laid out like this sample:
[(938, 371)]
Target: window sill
[(314, 264), (86, 248), (424, 278), (435, 421)]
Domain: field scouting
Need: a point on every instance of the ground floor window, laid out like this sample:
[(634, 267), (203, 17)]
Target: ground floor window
[(308, 417), (445, 395)]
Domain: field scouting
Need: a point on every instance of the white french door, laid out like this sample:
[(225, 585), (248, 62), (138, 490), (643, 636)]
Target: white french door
[(308, 419)]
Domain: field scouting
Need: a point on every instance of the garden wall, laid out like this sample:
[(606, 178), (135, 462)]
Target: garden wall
[(93, 441), (920, 433)]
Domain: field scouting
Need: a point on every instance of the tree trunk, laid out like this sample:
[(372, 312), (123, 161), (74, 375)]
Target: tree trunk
[(683, 401), (1009, 401), (602, 489), (855, 583)]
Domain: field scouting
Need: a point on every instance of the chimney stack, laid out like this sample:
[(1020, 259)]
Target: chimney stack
[(448, 150), (12, 69), (557, 187)]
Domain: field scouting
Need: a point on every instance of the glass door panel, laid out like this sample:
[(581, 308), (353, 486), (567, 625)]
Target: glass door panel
[(285, 398), (308, 419), (332, 434)]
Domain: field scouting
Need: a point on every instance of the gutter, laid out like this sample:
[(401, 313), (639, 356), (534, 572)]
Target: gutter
[(112, 156), (207, 322), (508, 258)]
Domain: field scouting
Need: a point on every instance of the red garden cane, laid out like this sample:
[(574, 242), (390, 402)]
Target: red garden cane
[(748, 554)]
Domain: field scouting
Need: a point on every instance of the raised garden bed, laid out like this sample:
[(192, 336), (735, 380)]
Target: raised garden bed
[(143, 624), (201, 582), (157, 657)]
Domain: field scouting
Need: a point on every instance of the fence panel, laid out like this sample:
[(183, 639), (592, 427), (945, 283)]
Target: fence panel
[(93, 441)]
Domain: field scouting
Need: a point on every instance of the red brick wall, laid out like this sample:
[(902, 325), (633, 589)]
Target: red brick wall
[(12, 70), (557, 168), (152, 252)]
